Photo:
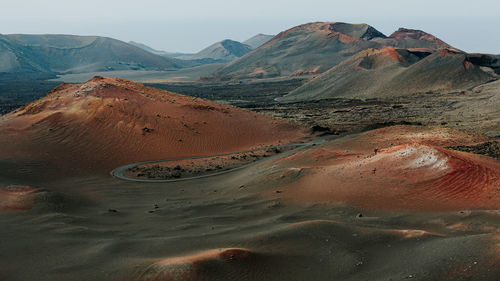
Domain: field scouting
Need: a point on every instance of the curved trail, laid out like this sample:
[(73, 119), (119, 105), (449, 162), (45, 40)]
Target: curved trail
[(119, 172), (482, 84)]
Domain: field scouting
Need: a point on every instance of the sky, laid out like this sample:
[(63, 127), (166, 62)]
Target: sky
[(190, 25)]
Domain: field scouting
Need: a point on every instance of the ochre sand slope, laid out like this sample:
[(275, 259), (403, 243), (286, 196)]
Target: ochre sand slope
[(105, 123), (398, 168)]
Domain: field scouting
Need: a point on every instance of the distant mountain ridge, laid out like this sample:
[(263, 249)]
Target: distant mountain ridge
[(149, 49), (339, 60), (76, 54), (226, 50), (258, 40), (222, 51)]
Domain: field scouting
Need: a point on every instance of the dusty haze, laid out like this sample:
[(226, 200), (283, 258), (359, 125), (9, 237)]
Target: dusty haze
[(189, 26)]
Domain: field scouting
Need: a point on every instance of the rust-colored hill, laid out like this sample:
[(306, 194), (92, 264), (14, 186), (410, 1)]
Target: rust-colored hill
[(105, 122), (303, 50), (316, 47)]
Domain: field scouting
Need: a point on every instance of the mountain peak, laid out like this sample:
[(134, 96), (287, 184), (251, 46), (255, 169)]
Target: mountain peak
[(360, 31), (403, 32), (357, 31), (406, 33), (258, 40), (225, 50), (229, 41)]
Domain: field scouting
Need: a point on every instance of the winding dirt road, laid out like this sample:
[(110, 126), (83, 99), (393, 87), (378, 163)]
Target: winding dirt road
[(120, 171)]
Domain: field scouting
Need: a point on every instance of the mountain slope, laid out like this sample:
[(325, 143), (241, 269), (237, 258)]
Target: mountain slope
[(77, 54), (17, 58), (147, 48), (316, 47), (258, 40), (223, 51), (159, 52), (106, 123), (226, 50), (303, 49), (393, 72)]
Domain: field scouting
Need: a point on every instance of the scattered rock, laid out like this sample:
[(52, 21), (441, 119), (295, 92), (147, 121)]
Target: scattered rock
[(491, 149)]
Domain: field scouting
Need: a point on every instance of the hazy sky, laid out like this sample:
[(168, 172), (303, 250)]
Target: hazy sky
[(190, 25)]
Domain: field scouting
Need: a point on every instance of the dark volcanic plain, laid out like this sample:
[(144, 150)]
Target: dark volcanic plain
[(403, 186)]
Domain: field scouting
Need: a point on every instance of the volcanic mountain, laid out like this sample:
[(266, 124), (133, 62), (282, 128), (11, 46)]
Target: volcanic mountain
[(105, 122), (316, 47), (258, 40), (392, 72), (76, 54), (226, 50), (223, 51)]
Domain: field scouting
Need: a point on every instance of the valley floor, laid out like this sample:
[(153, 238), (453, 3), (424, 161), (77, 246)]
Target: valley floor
[(335, 211), (250, 224)]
